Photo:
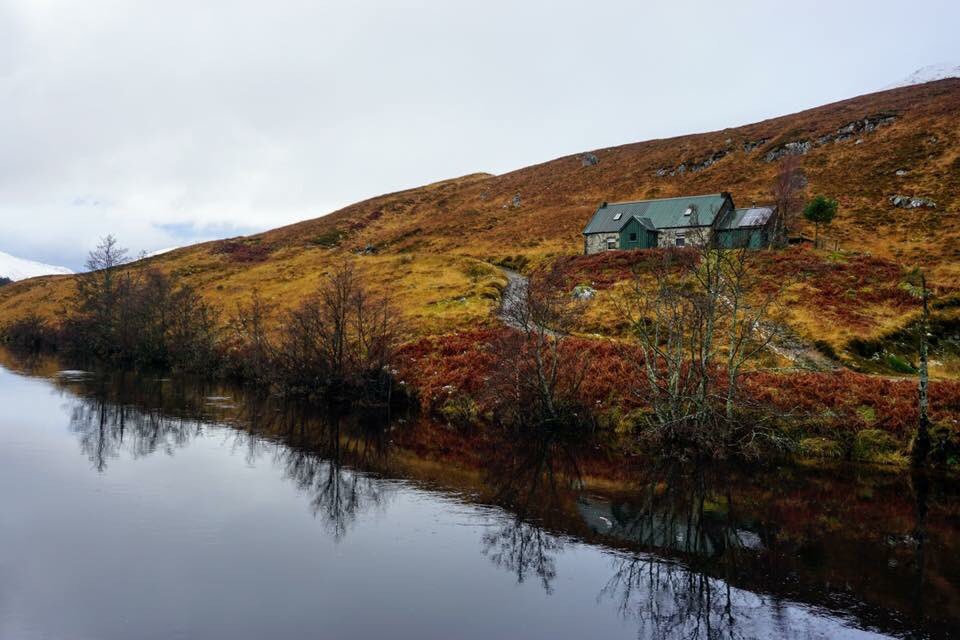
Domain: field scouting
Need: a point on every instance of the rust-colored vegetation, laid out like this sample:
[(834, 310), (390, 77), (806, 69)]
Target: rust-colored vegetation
[(242, 250)]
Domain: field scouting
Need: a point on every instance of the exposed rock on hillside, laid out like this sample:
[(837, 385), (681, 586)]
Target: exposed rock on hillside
[(846, 132), (694, 166), (910, 202), (750, 145), (588, 159), (795, 148), (851, 129)]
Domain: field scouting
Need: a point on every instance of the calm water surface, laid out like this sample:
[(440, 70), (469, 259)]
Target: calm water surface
[(146, 508)]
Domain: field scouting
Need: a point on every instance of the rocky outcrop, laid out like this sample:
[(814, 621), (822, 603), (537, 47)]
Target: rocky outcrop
[(846, 132), (911, 202), (795, 148), (709, 161), (692, 167), (588, 159), (750, 145), (855, 128)]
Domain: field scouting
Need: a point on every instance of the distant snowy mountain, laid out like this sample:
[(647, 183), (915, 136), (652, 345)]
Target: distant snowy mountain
[(160, 252), (19, 269), (929, 74)]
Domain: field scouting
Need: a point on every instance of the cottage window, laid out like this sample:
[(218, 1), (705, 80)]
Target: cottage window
[(633, 237), (611, 243), (681, 241), (617, 216)]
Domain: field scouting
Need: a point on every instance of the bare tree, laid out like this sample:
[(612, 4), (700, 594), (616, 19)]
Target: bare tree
[(340, 341), (106, 255), (98, 292), (536, 377), (251, 350), (665, 320), (916, 284), (749, 309), (788, 196), (697, 319)]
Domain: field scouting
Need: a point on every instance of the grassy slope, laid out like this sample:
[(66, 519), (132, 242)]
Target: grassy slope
[(433, 243)]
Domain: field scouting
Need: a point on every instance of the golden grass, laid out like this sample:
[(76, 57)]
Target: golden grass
[(432, 243)]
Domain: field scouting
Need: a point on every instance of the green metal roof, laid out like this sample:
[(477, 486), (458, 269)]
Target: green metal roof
[(746, 218), (662, 214)]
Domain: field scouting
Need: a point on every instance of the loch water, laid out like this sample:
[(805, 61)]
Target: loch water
[(149, 507)]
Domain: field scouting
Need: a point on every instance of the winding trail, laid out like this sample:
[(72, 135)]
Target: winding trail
[(512, 297), (792, 347)]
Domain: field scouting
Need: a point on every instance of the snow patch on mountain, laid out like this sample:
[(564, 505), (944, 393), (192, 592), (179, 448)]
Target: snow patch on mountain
[(20, 269), (929, 73), (160, 252)]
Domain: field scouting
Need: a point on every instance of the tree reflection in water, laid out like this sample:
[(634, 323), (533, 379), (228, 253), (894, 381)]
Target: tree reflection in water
[(690, 547), (673, 601), (111, 418), (315, 458), (323, 454), (535, 478), (685, 590)]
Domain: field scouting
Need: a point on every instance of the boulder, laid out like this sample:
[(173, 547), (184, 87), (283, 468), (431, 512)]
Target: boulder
[(583, 292), (912, 202)]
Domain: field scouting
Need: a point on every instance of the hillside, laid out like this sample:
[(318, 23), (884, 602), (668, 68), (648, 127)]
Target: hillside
[(434, 247)]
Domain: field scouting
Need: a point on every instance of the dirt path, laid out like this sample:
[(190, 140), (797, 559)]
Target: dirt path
[(512, 297), (788, 345)]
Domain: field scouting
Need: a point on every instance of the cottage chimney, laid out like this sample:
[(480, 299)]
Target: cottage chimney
[(603, 205)]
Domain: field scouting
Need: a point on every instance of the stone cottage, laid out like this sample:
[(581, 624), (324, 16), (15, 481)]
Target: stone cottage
[(677, 222)]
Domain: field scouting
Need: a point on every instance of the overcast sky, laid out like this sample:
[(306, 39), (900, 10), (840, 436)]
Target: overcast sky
[(170, 121)]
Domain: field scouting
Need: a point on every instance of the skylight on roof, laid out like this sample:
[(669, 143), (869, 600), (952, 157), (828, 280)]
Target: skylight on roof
[(688, 211), (617, 216)]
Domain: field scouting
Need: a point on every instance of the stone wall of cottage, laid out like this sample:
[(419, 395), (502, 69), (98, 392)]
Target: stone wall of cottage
[(691, 235), (597, 242)]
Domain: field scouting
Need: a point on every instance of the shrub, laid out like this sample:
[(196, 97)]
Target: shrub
[(821, 448), (328, 239), (460, 410), (338, 344), (30, 334), (945, 444), (898, 364), (476, 270), (874, 445), (243, 250)]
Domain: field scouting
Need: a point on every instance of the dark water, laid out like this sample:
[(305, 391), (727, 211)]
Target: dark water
[(144, 508)]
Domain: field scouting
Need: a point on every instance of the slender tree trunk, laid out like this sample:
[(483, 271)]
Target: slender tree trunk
[(921, 444)]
